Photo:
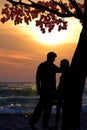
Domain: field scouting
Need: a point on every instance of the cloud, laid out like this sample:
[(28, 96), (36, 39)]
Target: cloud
[(17, 66), (14, 38), (15, 58)]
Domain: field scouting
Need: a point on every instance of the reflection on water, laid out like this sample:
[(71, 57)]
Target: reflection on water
[(22, 97), (17, 97)]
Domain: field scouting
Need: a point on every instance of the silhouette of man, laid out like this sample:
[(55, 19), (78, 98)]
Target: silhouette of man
[(46, 87), (64, 65)]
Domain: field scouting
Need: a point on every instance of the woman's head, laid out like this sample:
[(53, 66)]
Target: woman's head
[(64, 64)]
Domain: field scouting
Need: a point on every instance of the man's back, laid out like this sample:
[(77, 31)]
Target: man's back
[(46, 73)]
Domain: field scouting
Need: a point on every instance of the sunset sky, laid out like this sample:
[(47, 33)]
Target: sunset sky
[(24, 47)]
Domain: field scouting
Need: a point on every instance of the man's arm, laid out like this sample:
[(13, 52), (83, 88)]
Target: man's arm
[(57, 69)]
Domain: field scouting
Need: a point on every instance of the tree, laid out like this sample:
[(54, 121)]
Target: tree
[(47, 14)]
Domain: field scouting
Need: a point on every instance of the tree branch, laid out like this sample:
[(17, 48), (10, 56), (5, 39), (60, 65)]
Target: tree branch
[(80, 14), (61, 5), (42, 7)]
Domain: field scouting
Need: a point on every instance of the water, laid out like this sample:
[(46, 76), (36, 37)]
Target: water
[(18, 97), (21, 97)]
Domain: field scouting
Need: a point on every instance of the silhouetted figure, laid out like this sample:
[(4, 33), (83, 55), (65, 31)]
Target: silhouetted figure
[(46, 87), (64, 65)]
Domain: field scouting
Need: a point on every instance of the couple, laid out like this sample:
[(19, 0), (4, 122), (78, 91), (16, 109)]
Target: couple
[(46, 87)]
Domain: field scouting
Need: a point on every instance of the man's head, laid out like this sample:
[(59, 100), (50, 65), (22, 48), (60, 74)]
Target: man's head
[(51, 56)]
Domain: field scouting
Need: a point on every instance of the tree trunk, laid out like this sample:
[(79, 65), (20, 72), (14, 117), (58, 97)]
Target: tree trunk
[(76, 81)]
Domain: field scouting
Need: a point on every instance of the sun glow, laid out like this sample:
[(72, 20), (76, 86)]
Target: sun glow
[(46, 38), (55, 37), (52, 38)]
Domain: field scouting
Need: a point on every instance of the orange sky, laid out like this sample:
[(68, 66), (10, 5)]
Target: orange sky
[(23, 47)]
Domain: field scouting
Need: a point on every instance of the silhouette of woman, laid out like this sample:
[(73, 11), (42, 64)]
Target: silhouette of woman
[(64, 65)]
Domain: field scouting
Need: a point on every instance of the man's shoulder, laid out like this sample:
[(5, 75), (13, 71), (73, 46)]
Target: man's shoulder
[(57, 68), (55, 65), (42, 64)]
